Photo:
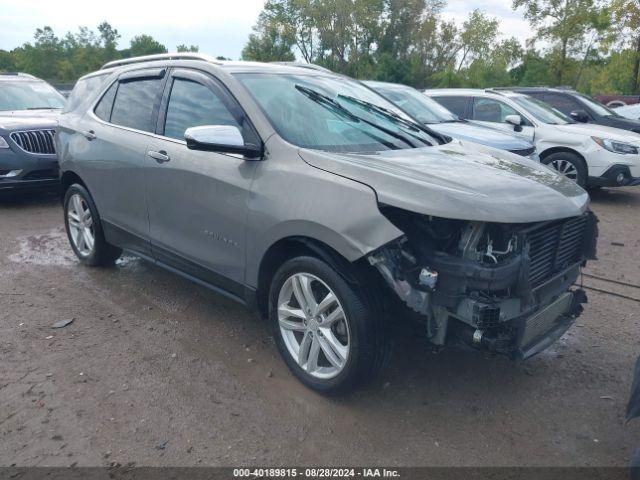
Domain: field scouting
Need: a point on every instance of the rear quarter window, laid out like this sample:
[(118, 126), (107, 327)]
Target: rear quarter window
[(83, 89), (103, 109)]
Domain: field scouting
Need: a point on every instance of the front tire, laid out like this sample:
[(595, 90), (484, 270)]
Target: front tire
[(570, 165), (327, 330), (84, 229)]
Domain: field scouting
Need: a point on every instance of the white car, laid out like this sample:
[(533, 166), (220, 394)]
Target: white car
[(591, 155), (629, 111)]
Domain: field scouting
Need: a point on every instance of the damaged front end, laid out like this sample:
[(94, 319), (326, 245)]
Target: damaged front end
[(506, 288)]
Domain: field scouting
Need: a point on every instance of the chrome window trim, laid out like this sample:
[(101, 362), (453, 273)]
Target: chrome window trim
[(94, 104)]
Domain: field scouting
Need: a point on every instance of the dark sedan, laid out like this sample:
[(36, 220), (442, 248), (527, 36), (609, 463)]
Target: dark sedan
[(580, 107), (29, 108)]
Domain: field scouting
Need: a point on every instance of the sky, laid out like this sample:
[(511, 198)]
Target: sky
[(218, 27)]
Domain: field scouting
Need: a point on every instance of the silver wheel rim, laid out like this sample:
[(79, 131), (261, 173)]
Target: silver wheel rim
[(566, 168), (313, 325), (80, 225)]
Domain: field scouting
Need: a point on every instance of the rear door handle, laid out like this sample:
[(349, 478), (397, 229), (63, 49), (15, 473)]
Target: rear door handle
[(89, 135), (160, 157)]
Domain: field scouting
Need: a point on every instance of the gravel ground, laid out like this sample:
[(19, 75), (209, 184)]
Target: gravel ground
[(155, 370)]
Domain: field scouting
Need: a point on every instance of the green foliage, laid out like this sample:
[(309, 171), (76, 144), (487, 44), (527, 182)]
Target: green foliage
[(145, 45), (63, 59), (184, 48), (593, 45)]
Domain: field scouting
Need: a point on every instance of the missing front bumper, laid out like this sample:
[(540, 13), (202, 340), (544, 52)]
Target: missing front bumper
[(539, 331)]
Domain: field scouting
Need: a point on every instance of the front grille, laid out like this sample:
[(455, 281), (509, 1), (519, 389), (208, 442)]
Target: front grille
[(525, 152), (35, 141), (554, 247)]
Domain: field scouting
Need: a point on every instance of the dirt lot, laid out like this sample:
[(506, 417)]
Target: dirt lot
[(158, 371)]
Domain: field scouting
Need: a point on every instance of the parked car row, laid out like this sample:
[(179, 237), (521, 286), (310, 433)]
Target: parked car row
[(591, 154)]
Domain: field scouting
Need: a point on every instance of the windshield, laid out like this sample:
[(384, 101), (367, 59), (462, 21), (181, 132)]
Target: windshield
[(28, 95), (416, 104), (333, 113), (597, 106), (541, 111)]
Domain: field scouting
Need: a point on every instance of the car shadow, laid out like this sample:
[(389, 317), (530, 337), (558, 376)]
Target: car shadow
[(18, 199), (616, 196)]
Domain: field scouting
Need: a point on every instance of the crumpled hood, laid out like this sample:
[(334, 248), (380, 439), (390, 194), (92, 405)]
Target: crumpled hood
[(460, 180), (601, 131), (482, 135), (11, 121)]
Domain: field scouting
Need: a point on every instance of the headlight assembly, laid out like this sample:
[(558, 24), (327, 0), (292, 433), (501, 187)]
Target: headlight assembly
[(3, 143), (616, 147)]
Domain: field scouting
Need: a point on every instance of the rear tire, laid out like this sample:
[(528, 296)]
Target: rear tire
[(570, 165), (340, 349), (84, 229)]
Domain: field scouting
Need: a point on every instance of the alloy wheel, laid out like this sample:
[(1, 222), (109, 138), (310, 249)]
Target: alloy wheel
[(313, 325), (566, 168), (80, 225)]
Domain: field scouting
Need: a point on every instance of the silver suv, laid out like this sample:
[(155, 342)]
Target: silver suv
[(314, 201)]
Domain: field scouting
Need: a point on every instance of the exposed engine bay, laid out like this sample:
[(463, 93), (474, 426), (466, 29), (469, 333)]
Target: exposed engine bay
[(506, 288)]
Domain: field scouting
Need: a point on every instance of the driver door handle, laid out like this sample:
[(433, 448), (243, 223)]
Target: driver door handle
[(160, 157)]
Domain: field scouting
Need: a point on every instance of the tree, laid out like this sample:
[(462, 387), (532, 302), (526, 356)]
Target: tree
[(183, 48), (145, 45), (626, 16), (478, 36), (272, 38), (109, 37), (561, 22)]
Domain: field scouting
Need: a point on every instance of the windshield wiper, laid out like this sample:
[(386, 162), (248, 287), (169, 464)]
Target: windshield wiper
[(395, 118), (331, 104), (43, 108)]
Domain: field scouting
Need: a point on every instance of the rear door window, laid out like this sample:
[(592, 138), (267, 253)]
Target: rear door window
[(135, 102), (454, 104)]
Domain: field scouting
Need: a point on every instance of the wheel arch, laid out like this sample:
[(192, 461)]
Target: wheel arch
[(68, 178), (294, 246), (550, 151)]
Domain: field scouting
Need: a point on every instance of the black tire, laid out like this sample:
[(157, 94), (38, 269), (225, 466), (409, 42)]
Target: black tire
[(369, 345), (102, 253), (572, 159)]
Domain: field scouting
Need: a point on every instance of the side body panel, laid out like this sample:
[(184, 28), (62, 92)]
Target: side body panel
[(290, 198), (116, 158), (197, 207)]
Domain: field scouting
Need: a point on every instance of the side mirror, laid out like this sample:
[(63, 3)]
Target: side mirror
[(579, 116), (515, 120), (220, 138)]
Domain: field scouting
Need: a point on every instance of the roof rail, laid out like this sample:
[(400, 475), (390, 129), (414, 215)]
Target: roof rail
[(161, 56), (16, 74), (496, 90), (310, 66)]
